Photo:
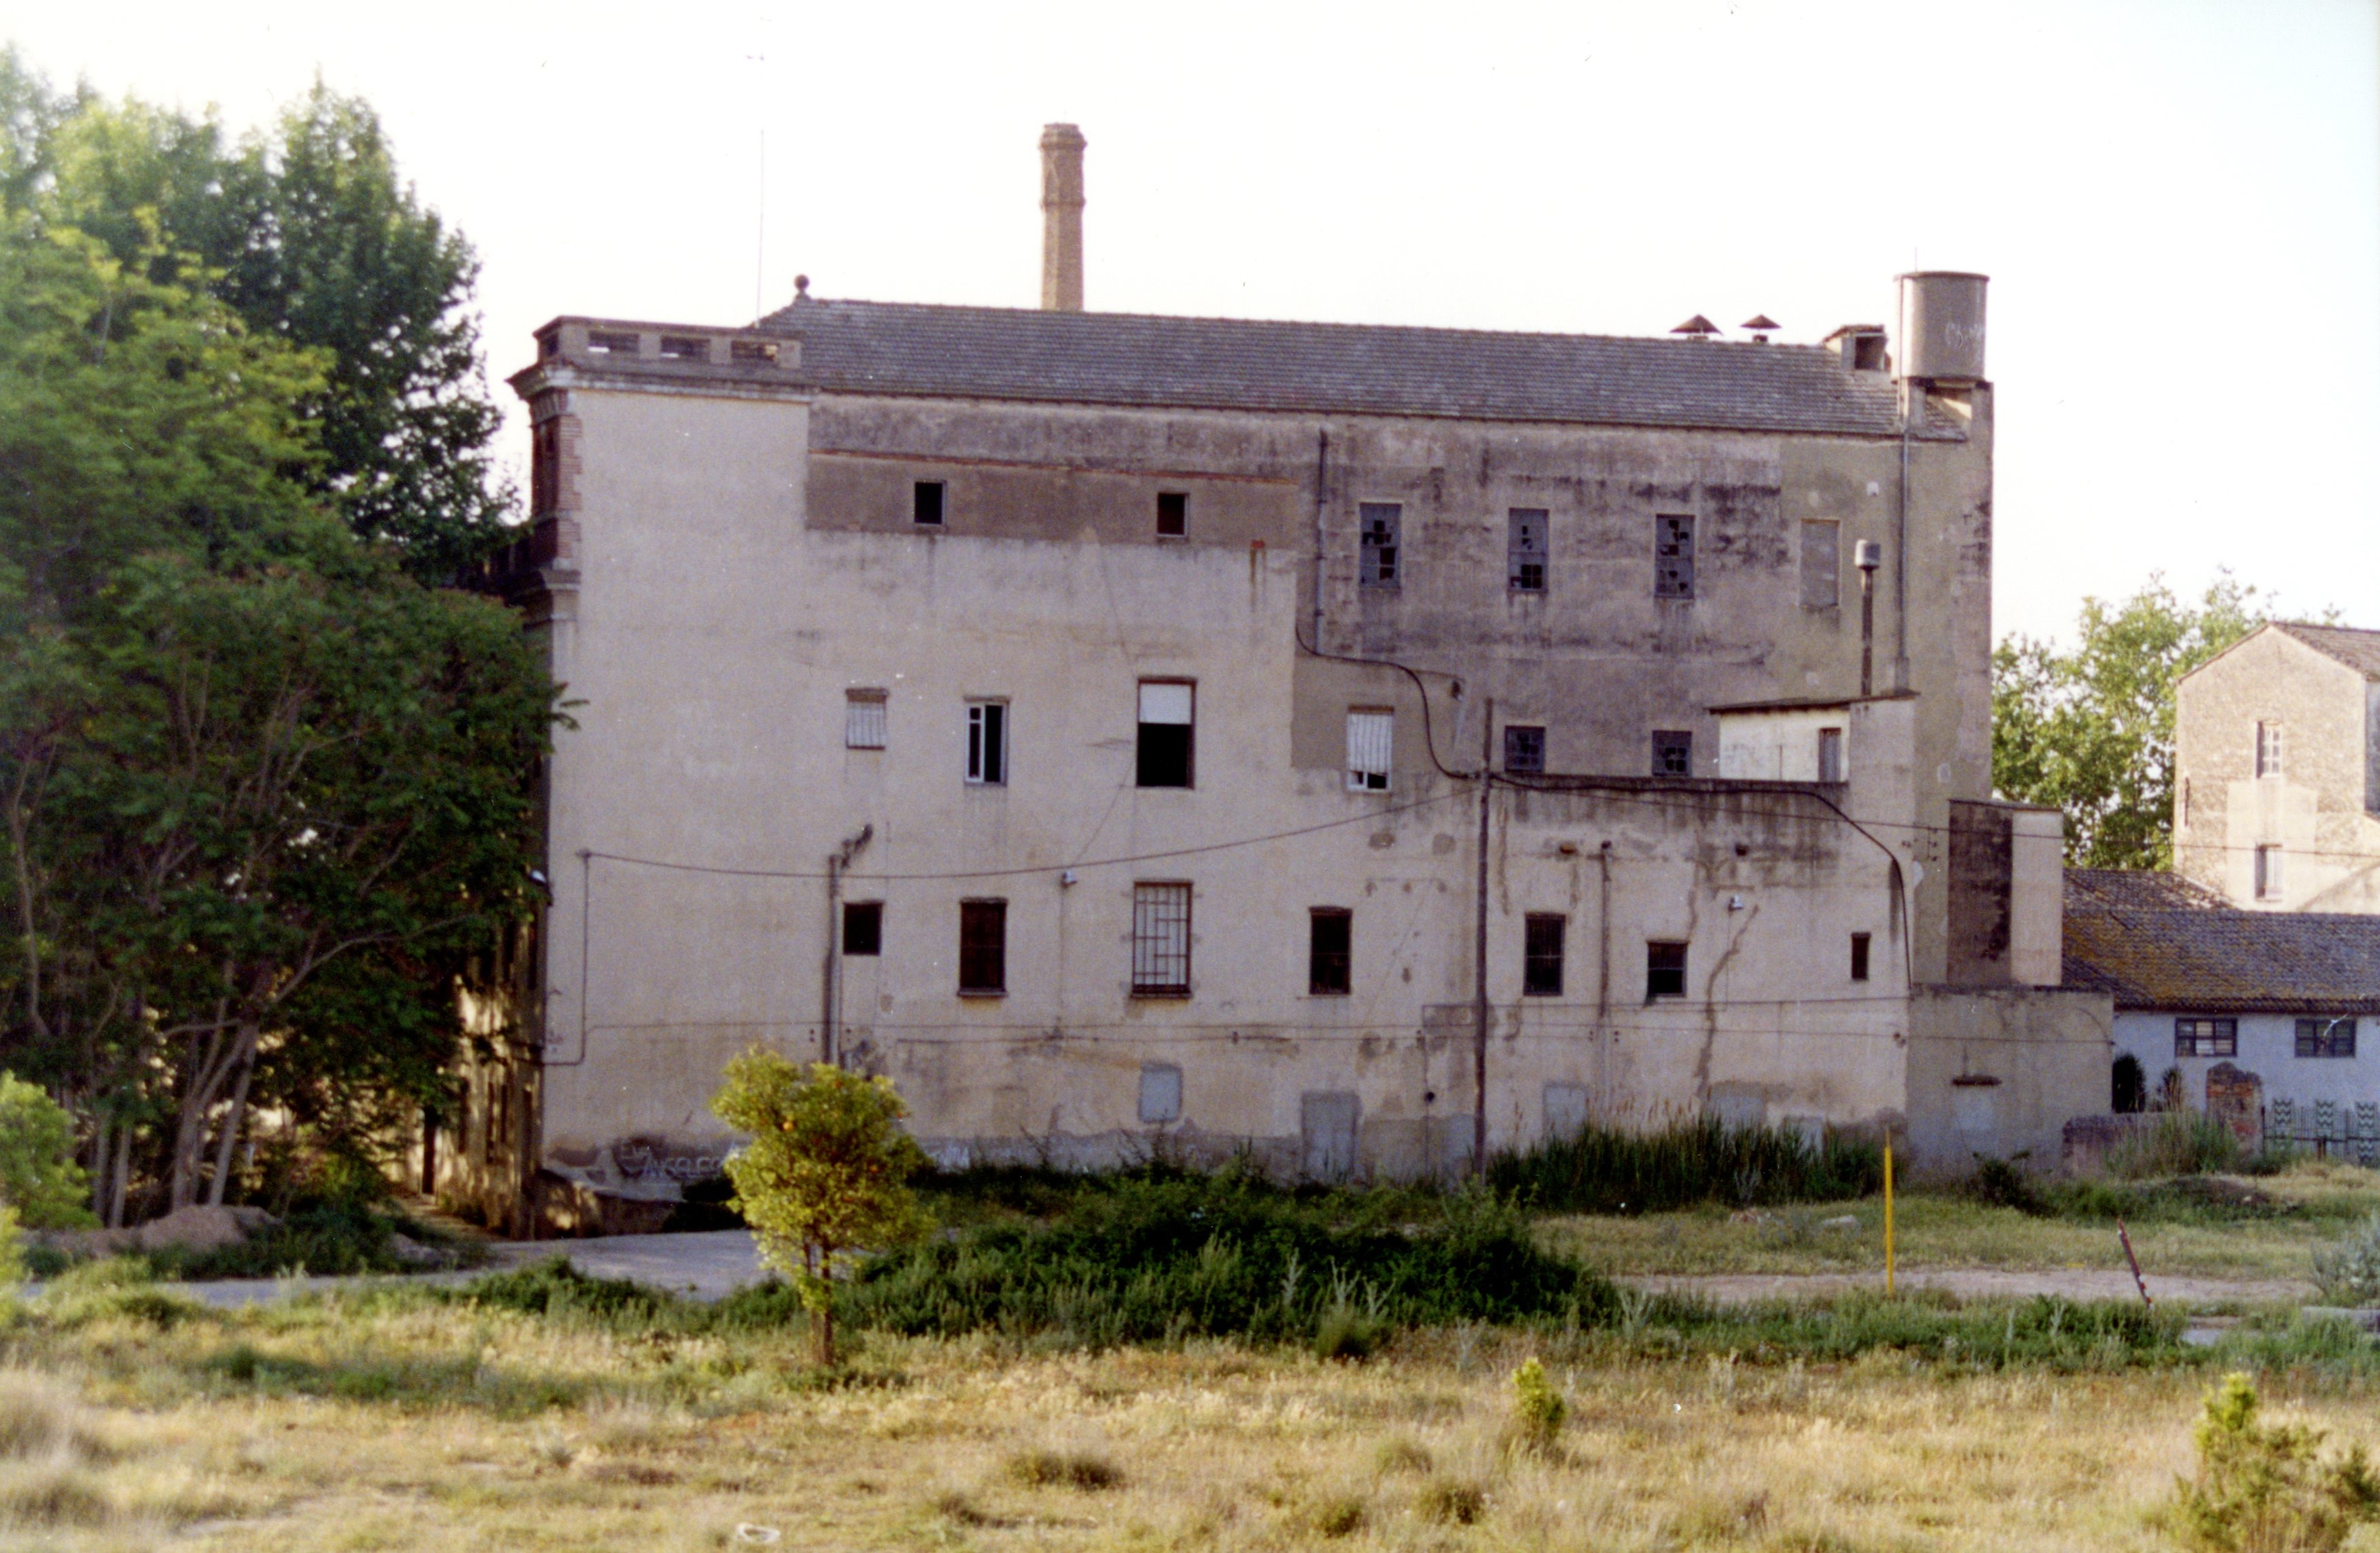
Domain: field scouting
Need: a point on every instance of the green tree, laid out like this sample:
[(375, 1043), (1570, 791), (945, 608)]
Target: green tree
[(2089, 730), (39, 1179), (825, 1174), (2266, 1487)]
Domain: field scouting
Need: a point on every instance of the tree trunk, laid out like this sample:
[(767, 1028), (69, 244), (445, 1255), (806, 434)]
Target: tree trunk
[(825, 1330), (120, 1176), (237, 1112), (100, 1139)]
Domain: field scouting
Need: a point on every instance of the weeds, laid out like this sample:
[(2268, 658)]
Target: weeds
[(2348, 1272), (1059, 1469), (1539, 1411), (1605, 1170), (2182, 1142), (1455, 1501), (2267, 1488)]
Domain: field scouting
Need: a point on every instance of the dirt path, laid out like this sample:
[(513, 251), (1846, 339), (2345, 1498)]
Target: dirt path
[(2074, 1284)]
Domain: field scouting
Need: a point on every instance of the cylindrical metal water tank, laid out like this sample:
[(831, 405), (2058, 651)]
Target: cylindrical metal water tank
[(1942, 325)]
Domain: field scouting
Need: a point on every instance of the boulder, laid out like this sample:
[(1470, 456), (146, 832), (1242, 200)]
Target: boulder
[(202, 1227)]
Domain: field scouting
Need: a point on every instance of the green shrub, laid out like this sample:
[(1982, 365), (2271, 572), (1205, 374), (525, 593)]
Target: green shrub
[(118, 1289), (38, 1174), (1450, 1500), (12, 1255), (555, 1288), (1998, 1183), (2348, 1272), (2180, 1142), (1060, 1469), (1605, 1170), (1539, 1411), (2267, 1488), (326, 1237)]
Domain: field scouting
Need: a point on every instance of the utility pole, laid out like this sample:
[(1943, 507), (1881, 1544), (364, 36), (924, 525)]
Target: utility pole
[(1480, 949)]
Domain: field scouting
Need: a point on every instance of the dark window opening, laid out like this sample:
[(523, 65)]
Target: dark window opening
[(1673, 752), (2128, 1086), (1525, 550), (983, 946), (1859, 956), (1377, 525), (1673, 557), (1168, 745), (926, 503), (2326, 1037), (1665, 970), (1161, 941), (1867, 353), (2206, 1038), (603, 342), (1329, 966), (1173, 514), (1524, 750), (683, 348), (1541, 959), (987, 760), (752, 350), (863, 926)]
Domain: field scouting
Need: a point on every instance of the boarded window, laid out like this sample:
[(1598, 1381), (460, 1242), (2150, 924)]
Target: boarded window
[(863, 926), (1665, 970), (2268, 750), (1160, 1092), (1330, 956), (926, 501), (1541, 954), (1673, 752), (863, 719), (1830, 755), (1377, 525), (1673, 557), (1173, 514), (2206, 1038), (1859, 956), (987, 759), (1161, 941), (983, 946), (1524, 749), (1168, 745), (1371, 739), (2326, 1037), (2268, 873), (1821, 564), (1526, 549)]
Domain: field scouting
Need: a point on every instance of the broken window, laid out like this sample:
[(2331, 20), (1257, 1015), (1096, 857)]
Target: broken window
[(1524, 749), (1160, 1092), (1673, 557), (983, 946), (752, 350), (1173, 514), (2268, 873), (1526, 547), (2326, 1037), (1830, 755), (1665, 970), (604, 342), (1673, 752), (863, 719), (1541, 954), (684, 348), (1168, 734), (2268, 750), (863, 926), (1377, 525), (1330, 963), (926, 503), (1821, 570), (1371, 738), (2206, 1038), (1161, 941), (987, 760), (1859, 956)]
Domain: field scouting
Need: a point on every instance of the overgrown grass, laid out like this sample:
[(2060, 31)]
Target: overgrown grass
[(2182, 1142), (1605, 1170)]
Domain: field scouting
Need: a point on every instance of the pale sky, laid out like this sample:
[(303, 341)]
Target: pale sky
[(2179, 204)]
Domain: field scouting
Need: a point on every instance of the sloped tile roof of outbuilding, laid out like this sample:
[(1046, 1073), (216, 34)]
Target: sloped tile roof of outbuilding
[(2359, 650), (1151, 362), (2144, 941)]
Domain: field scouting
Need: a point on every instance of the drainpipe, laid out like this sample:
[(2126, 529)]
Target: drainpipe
[(1868, 560), (1912, 405), (1321, 546), (830, 1041), (1479, 951)]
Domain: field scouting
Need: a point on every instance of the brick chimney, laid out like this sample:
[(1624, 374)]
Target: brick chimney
[(1061, 218)]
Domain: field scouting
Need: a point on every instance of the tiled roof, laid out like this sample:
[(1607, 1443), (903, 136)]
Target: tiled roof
[(2154, 946), (2359, 650), (1126, 358)]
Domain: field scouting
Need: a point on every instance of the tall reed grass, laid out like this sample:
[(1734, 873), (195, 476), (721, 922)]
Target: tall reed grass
[(1605, 1170)]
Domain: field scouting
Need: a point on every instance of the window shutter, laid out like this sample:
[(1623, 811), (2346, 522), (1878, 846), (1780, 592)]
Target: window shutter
[(1164, 702), (1371, 738)]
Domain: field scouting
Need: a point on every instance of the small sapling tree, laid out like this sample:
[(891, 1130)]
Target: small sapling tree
[(826, 1173)]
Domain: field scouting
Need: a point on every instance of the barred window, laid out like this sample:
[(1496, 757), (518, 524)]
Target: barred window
[(1377, 523), (1161, 941), (983, 946), (2326, 1037), (863, 719), (2206, 1038), (1524, 750), (1527, 548), (1673, 557), (1371, 739), (1673, 752), (1541, 954)]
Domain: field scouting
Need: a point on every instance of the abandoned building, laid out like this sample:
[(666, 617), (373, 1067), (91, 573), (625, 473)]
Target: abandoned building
[(2277, 771), (1349, 747)]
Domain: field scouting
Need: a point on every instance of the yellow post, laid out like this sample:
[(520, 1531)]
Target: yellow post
[(1888, 1216)]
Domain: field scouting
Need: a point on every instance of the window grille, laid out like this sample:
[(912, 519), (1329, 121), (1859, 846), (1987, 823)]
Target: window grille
[(1527, 548), (1673, 752), (1331, 951), (863, 719), (983, 946), (2326, 1037), (1371, 738), (1377, 523), (1665, 970), (1161, 941), (1524, 750), (1673, 557), (2206, 1038), (1821, 564), (1541, 956)]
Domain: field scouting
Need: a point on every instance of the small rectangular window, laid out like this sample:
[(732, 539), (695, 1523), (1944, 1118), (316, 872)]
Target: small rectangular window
[(863, 719), (1673, 752), (983, 946), (1830, 755), (1329, 966), (1541, 954), (2206, 1038), (1161, 941), (2268, 873), (751, 351), (1821, 564), (863, 926), (2268, 750), (684, 348), (1524, 749), (1371, 740), (1160, 1092), (1665, 970), (926, 503), (1377, 523), (605, 342), (2326, 1037), (1527, 548), (987, 760), (1673, 557), (1168, 743), (1859, 956), (1173, 514)]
